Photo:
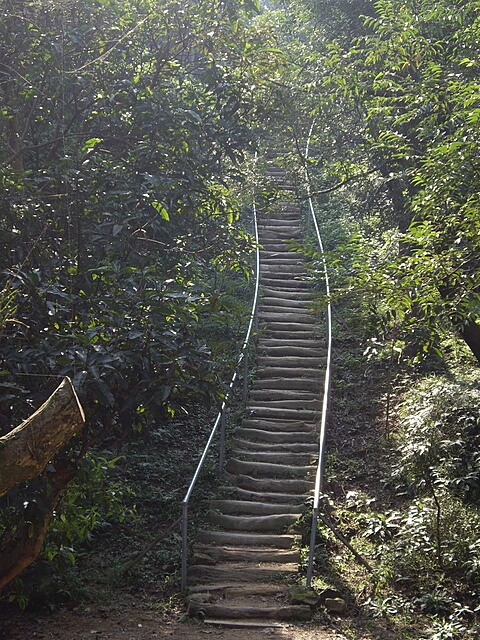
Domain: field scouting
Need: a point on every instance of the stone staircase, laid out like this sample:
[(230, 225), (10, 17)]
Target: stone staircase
[(248, 557)]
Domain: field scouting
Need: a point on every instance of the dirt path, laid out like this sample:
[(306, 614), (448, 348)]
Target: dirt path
[(135, 624)]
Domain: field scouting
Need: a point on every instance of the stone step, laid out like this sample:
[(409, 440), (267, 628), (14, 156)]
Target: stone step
[(240, 572), (274, 523), (284, 541), (286, 309), (274, 222), (291, 362), (291, 350), (289, 264), (284, 394), (275, 426), (276, 329), (270, 485), (273, 406), (268, 469), (277, 457), (230, 588), (302, 305), (288, 295), (220, 614), (276, 437), (281, 447), (292, 384), (287, 284), (269, 372), (282, 498), (317, 343), (283, 253), (278, 234), (287, 413), (248, 554), (282, 247), (247, 507)]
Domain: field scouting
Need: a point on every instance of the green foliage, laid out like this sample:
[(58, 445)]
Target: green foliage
[(441, 439), (92, 501), (123, 127)]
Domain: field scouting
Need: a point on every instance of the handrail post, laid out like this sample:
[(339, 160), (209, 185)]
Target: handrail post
[(184, 545), (221, 456), (245, 377), (311, 551), (327, 386)]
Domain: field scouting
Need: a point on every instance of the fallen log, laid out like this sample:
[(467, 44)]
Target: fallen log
[(27, 449)]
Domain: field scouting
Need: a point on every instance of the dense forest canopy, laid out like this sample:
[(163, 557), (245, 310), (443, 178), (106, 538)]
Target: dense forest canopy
[(128, 130)]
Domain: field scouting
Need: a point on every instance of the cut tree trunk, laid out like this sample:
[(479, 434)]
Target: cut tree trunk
[(27, 449), (24, 454)]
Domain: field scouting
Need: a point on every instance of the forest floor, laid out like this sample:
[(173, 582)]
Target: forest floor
[(135, 623)]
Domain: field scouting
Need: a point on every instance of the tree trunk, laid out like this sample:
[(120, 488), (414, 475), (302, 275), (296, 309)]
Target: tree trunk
[(471, 334), (26, 451)]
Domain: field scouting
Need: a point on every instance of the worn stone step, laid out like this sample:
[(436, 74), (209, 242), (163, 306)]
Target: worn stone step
[(276, 437), (289, 447), (248, 554), (277, 457), (295, 295), (270, 485), (287, 284), (240, 572), (264, 309), (274, 523), (282, 255), (299, 316), (225, 623), (274, 221), (270, 240), (288, 340), (297, 373), (277, 498), (272, 407), (230, 588), (268, 469), (221, 614), (291, 351), (289, 262), (275, 329), (283, 394), (278, 234), (286, 413), (291, 362), (280, 541), (276, 425), (247, 507), (271, 303), (312, 385)]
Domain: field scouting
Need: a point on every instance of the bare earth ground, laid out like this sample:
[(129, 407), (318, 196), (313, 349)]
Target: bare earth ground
[(133, 624)]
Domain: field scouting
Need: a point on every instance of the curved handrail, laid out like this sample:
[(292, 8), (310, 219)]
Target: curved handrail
[(326, 390), (220, 419)]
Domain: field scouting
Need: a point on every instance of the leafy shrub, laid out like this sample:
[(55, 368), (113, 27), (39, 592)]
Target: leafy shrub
[(440, 443)]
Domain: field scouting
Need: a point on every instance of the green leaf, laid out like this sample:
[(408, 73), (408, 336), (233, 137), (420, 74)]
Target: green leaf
[(160, 209), (91, 144)]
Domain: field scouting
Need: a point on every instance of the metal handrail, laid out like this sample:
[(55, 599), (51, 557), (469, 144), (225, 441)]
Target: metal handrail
[(220, 420), (326, 390)]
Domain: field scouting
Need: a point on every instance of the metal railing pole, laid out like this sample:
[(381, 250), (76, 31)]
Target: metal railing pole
[(245, 378), (311, 551), (326, 391), (221, 455), (184, 545)]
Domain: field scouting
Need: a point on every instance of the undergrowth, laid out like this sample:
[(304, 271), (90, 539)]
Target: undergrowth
[(402, 486)]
